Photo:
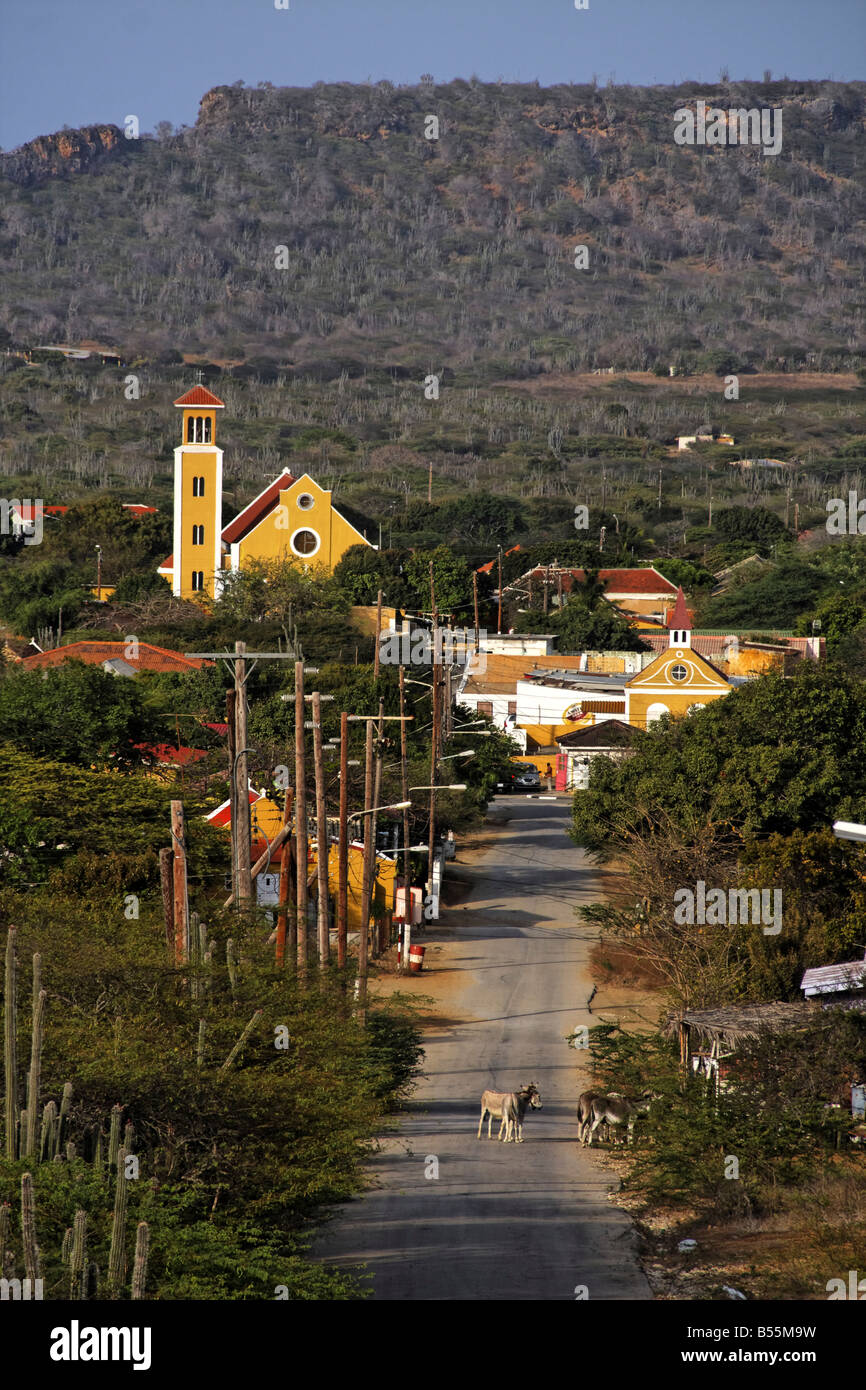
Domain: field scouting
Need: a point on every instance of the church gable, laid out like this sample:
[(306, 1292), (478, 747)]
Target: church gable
[(679, 669)]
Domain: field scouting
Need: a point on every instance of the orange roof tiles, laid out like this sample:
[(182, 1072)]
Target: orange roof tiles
[(150, 658), (199, 395)]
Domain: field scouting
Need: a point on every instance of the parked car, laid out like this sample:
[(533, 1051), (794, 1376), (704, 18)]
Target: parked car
[(528, 779), (506, 781)]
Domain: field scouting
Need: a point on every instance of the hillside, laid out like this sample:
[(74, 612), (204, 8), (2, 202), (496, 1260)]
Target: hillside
[(409, 255)]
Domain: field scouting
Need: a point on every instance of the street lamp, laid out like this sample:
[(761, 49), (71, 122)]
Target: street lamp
[(441, 787), (849, 830)]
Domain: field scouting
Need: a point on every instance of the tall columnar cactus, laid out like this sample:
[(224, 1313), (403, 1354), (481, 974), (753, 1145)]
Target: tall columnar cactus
[(77, 1268), (62, 1118), (139, 1269), (66, 1247), (28, 1230), (114, 1136), (10, 1057), (35, 1066), (117, 1253), (46, 1138), (5, 1214)]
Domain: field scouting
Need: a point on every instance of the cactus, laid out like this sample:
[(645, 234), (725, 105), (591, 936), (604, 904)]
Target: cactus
[(66, 1248), (22, 1134), (35, 1064), (71, 1151), (28, 1230), (46, 1138), (199, 1052), (139, 1269), (5, 1213), (63, 1117), (241, 1040), (117, 1253), (10, 1060), (97, 1151), (232, 965), (114, 1136), (77, 1281)]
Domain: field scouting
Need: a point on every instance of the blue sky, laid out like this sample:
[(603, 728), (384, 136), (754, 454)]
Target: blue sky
[(65, 63)]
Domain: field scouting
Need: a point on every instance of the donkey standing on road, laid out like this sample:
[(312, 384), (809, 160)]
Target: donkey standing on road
[(614, 1110), (509, 1107)]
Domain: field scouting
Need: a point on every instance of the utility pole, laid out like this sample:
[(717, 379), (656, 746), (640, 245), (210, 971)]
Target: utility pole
[(434, 753), (378, 636), (244, 887), (231, 700), (343, 845), (475, 603), (300, 818), (377, 787), (367, 874), (323, 848), (285, 875), (499, 618), (404, 791), (546, 589), (559, 587)]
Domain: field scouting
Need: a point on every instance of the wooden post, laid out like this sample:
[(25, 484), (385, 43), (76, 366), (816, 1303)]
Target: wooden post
[(546, 590), (559, 588), (377, 787), (378, 636), (231, 701), (300, 818), (322, 846), (404, 791), (475, 603), (285, 875), (343, 847), (367, 878), (499, 617), (167, 886), (181, 904), (244, 885)]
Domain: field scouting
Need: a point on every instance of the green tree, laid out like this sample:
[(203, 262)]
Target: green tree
[(452, 579), (73, 713)]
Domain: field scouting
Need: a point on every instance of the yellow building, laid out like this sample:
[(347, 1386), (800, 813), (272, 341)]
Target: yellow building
[(291, 519), (677, 682)]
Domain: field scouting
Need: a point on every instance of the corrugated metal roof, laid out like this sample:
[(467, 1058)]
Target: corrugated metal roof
[(827, 979)]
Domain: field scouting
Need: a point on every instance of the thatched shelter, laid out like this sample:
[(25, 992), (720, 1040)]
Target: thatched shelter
[(722, 1028)]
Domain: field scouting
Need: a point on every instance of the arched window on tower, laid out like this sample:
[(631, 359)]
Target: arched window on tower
[(198, 535), (198, 486), (190, 429), (207, 429)]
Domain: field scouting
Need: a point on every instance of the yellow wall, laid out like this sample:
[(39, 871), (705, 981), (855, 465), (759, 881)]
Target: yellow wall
[(198, 462), (272, 538), (655, 685)]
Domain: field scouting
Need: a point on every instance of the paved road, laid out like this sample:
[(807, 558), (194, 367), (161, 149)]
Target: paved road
[(501, 1222)]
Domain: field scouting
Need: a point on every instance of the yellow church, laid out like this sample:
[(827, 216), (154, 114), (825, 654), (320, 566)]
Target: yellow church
[(677, 682), (291, 519)]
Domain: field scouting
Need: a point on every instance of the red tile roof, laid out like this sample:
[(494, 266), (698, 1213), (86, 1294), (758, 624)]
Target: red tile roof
[(139, 508), (149, 658), (199, 395), (167, 565), (167, 754), (646, 581), (257, 509)]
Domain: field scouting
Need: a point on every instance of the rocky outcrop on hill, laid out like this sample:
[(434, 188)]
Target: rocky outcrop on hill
[(67, 151)]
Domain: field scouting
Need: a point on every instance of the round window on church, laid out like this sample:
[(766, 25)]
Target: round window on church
[(679, 673), (305, 542), (305, 501)]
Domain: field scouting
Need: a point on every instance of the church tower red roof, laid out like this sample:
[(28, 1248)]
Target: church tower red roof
[(200, 395)]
